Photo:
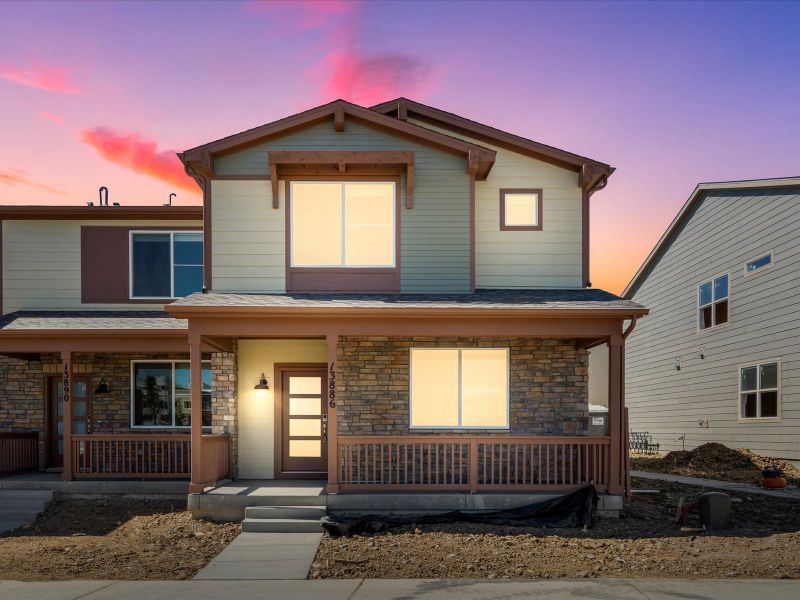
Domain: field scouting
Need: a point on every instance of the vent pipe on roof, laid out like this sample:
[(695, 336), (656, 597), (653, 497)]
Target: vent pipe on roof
[(102, 202), (173, 194)]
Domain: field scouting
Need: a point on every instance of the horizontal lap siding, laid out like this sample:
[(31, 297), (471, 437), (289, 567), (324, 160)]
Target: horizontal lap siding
[(551, 258), (42, 263), (248, 234), (727, 229)]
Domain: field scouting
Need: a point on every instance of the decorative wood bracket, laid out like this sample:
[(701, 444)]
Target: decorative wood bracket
[(338, 118)]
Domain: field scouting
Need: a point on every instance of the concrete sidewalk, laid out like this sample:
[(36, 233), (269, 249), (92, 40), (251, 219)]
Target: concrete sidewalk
[(728, 486), (376, 589)]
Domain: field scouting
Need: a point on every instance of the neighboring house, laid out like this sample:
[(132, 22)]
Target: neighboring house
[(717, 360), (395, 298)]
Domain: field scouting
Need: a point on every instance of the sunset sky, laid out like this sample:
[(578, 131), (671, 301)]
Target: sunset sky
[(671, 94)]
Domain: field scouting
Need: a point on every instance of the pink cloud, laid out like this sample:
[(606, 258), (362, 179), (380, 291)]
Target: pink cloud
[(52, 117), (14, 177), (369, 79), (140, 155), (302, 15), (41, 77)]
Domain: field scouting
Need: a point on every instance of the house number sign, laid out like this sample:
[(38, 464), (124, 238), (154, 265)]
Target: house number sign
[(332, 385), (66, 382)]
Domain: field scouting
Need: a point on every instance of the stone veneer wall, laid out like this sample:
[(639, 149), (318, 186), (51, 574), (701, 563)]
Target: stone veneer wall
[(23, 393), (548, 389), (224, 401)]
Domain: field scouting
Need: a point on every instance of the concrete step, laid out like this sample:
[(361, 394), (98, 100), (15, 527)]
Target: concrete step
[(281, 526), (285, 512)]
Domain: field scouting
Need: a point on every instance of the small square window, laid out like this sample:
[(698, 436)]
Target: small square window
[(521, 210)]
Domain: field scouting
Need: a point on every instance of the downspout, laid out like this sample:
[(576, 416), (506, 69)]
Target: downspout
[(630, 328)]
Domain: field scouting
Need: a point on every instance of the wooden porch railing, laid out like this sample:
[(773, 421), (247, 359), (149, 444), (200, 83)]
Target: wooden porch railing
[(19, 452), (145, 456), (472, 463)]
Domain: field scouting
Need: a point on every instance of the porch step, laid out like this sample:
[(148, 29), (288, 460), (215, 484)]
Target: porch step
[(281, 526), (285, 512), (22, 507)]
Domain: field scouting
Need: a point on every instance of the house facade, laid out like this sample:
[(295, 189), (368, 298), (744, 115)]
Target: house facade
[(386, 298), (716, 360)]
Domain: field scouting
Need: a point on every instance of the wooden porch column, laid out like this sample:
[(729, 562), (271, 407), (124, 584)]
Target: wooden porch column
[(196, 412), (615, 407), (332, 341), (66, 386)]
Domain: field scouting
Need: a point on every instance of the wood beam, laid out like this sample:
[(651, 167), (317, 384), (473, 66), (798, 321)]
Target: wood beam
[(197, 484), (410, 185), (273, 176), (66, 399), (332, 341), (338, 118), (342, 167), (402, 111)]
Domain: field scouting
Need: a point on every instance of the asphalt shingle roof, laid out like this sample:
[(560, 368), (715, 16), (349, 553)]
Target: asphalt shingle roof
[(86, 319)]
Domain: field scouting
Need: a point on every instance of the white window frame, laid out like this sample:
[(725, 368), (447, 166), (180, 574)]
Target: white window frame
[(505, 427), (761, 269), (343, 185), (758, 390), (698, 307), (171, 260), (205, 363)]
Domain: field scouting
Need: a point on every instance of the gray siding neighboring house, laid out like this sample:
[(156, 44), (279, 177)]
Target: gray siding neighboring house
[(721, 227)]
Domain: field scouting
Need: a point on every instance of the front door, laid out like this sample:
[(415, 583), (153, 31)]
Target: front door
[(304, 422), (81, 415)]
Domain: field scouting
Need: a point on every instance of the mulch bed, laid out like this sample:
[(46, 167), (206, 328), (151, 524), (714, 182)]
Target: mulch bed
[(645, 542), (112, 539)]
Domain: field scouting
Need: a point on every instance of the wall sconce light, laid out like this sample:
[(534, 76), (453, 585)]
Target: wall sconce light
[(102, 388), (678, 363), (262, 383), (702, 352)]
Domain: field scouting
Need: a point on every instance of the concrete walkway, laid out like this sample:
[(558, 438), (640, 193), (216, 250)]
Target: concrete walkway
[(728, 486), (377, 589), (253, 556)]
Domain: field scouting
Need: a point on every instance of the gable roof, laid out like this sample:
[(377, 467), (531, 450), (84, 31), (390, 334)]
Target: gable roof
[(593, 173), (685, 214), (199, 160)]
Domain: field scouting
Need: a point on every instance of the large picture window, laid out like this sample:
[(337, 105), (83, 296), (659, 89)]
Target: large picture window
[(343, 224), (161, 394), (166, 264), (459, 388), (712, 302), (759, 391)]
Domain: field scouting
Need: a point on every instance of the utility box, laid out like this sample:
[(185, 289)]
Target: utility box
[(598, 420), (715, 510)]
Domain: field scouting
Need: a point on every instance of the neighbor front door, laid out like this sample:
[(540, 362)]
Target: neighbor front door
[(304, 422), (81, 415)]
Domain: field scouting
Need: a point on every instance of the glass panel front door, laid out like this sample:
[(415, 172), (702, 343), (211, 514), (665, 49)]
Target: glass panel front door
[(304, 422)]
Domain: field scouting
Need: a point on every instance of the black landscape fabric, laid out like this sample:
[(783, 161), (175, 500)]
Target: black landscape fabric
[(576, 509)]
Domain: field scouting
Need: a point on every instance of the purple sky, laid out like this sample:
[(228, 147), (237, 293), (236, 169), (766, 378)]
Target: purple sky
[(669, 93)]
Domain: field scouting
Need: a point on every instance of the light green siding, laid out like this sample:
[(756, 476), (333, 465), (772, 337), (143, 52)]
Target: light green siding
[(435, 249)]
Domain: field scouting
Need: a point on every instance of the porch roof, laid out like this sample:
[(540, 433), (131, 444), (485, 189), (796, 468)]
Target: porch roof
[(542, 300), (85, 320)]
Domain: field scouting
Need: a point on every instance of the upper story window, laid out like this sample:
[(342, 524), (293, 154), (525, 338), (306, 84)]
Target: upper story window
[(521, 209), (713, 302), (456, 388), (344, 225), (161, 394), (759, 391), (165, 264), (758, 264)]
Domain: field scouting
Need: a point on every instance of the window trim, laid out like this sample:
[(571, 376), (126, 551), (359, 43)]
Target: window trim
[(539, 209), (171, 233), (133, 393), (697, 306), (413, 427), (343, 184), (761, 269), (757, 365)]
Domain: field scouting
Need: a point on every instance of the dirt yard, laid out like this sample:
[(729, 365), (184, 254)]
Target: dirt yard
[(715, 461), (115, 539), (646, 542)]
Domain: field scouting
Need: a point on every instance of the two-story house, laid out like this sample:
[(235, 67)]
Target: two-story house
[(717, 359), (393, 298)]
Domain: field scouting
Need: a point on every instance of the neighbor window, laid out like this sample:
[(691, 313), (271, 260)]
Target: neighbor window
[(712, 298), (758, 263), (759, 391), (343, 224), (162, 394), (521, 209), (455, 387), (166, 264)]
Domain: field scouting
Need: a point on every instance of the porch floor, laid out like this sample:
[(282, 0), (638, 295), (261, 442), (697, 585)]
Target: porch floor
[(267, 487)]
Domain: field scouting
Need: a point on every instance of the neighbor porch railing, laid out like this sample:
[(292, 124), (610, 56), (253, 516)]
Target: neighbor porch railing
[(19, 452), (145, 456), (472, 463)]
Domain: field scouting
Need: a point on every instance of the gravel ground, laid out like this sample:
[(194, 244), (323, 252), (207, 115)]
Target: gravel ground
[(113, 539), (646, 542)]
